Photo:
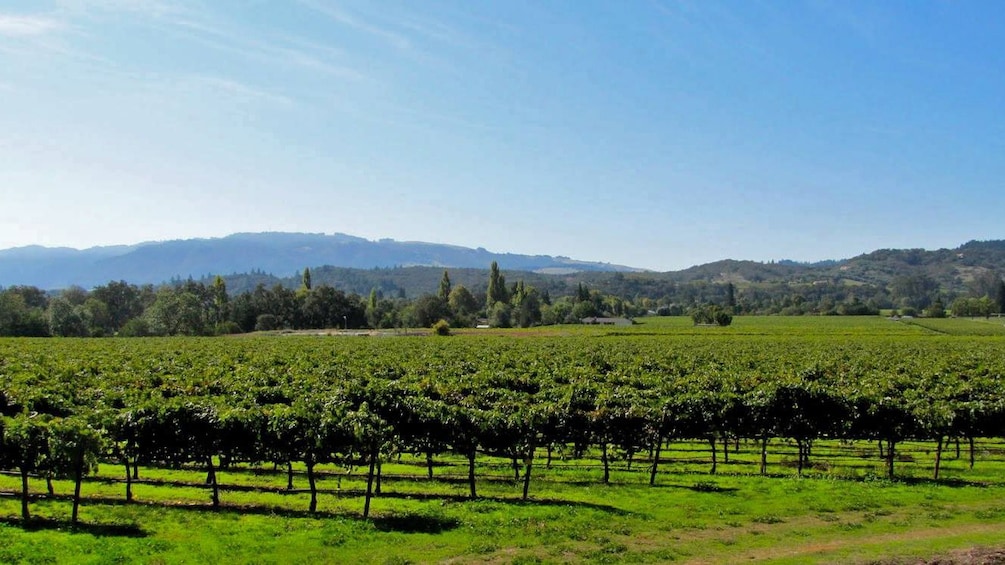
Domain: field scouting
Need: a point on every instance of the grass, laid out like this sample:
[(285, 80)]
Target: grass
[(768, 326), (841, 511), (783, 325), (772, 326), (961, 326)]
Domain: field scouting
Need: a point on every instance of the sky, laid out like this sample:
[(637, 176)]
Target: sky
[(651, 133)]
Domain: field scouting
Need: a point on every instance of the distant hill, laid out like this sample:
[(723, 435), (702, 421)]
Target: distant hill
[(280, 254), (358, 265), (954, 270), (950, 267)]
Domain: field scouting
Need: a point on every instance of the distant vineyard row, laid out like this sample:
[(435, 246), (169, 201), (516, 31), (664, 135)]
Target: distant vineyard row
[(68, 403)]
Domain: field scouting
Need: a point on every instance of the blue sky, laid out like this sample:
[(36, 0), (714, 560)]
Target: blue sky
[(651, 133)]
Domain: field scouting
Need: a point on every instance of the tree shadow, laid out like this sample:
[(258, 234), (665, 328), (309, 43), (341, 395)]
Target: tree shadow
[(697, 487), (257, 509), (265, 509), (532, 501), (928, 481), (93, 528), (565, 503), (447, 478), (415, 524), (408, 522)]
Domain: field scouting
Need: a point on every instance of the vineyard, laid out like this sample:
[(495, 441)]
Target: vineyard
[(428, 436)]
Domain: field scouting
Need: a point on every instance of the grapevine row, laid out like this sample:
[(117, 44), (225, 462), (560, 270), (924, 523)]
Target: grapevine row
[(68, 403)]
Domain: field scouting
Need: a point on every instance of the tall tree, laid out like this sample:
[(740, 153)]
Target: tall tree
[(65, 319), (176, 311), (97, 316), (462, 302), (730, 297), (123, 300), (305, 282), (444, 293), (497, 291), (20, 315), (220, 300), (372, 314), (428, 310), (526, 306)]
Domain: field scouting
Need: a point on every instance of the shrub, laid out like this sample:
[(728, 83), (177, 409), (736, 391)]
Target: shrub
[(227, 328), (266, 322), (441, 328), (711, 315)]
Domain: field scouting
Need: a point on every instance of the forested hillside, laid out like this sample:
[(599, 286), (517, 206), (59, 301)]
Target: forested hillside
[(962, 282), (955, 271)]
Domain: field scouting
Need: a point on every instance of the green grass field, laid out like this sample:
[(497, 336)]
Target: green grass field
[(961, 326), (842, 510), (839, 511), (802, 326)]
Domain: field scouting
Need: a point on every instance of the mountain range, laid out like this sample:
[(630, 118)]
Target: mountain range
[(275, 253), (356, 264)]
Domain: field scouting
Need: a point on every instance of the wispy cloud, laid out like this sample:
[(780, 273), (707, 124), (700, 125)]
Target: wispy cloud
[(395, 39), (315, 56), (295, 52), (419, 38), (238, 90), (51, 34), (28, 26), (206, 88), (155, 8)]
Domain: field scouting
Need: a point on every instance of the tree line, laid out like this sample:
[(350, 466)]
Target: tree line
[(195, 308), (207, 308)]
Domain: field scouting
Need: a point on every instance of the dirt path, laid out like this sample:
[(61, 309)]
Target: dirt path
[(830, 551)]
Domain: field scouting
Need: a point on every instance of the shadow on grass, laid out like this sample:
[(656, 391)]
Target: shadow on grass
[(507, 501), (697, 487), (321, 478), (342, 493), (94, 529), (415, 524), (928, 481), (271, 510)]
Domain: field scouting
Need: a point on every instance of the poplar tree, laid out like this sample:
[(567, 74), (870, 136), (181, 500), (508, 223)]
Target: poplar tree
[(220, 299), (444, 293), (497, 291), (372, 314)]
